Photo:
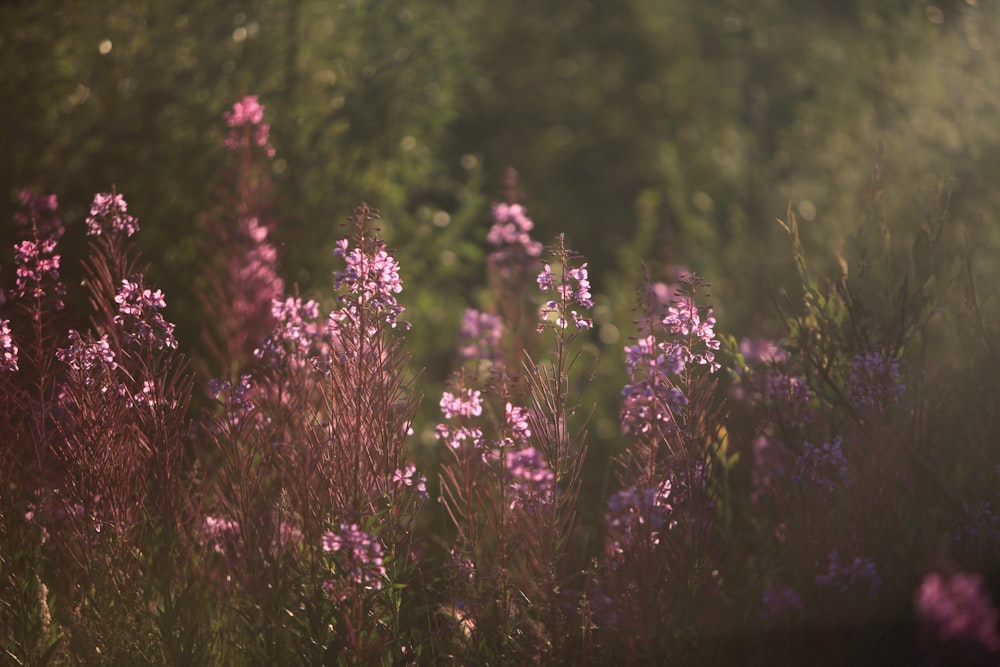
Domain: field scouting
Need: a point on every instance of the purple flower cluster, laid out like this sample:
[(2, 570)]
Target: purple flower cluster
[(787, 398), (956, 609), (295, 332), (858, 577), (823, 465), (510, 235), (529, 478), (408, 477), (247, 126), (684, 321), (779, 603), (468, 403), (360, 555), (35, 257), (239, 397), (639, 514), (372, 280), (255, 274), (8, 348), (875, 381), (85, 355), (481, 336), (516, 418), (574, 288), (110, 211), (650, 397), (138, 316)]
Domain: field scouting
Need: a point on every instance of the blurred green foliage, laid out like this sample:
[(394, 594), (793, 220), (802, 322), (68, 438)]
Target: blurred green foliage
[(666, 132)]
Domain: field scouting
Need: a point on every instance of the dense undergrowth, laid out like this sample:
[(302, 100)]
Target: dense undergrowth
[(824, 498)]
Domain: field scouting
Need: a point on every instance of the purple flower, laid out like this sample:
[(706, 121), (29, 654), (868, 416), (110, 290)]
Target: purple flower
[(239, 398), (35, 256), (85, 355), (408, 478), (650, 397), (360, 554), (517, 421), (468, 403), (956, 609), (247, 126), (8, 349), (875, 382), (456, 437), (787, 399), (137, 316), (858, 577), (510, 235), (574, 288), (823, 465), (110, 211), (296, 330), (639, 515), (481, 336), (683, 321), (529, 478), (372, 280)]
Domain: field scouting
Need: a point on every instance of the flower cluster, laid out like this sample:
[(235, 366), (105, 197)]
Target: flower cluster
[(529, 478), (86, 355), (408, 477), (516, 419), (296, 330), (956, 609), (683, 321), (138, 316), (574, 288), (823, 465), (360, 555), (851, 579), (640, 514), (247, 126), (468, 403), (510, 235), (372, 280), (481, 336), (254, 275), (35, 257), (650, 397), (110, 211), (787, 398), (875, 381), (8, 348), (239, 396)]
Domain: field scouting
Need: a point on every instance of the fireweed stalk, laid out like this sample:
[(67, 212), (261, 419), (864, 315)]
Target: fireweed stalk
[(243, 280), (313, 480), (554, 391), (662, 532), (28, 384), (512, 512)]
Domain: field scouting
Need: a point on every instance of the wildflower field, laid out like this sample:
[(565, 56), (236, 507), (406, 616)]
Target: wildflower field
[(465, 445)]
